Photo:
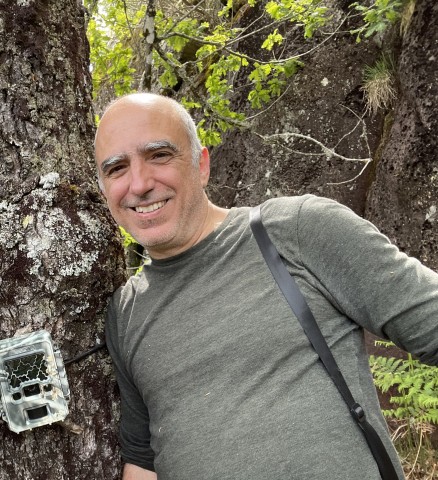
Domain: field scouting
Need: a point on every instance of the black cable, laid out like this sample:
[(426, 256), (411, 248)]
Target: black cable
[(83, 355)]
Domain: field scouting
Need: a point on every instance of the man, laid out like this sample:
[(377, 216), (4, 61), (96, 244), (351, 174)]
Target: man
[(217, 378)]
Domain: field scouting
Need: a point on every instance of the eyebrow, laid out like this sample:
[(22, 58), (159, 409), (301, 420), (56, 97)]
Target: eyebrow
[(113, 160), (152, 146), (141, 149)]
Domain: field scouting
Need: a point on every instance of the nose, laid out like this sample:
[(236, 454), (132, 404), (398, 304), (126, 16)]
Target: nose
[(141, 177)]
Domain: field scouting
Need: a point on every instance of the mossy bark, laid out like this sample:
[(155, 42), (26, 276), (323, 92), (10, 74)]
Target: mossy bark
[(59, 255)]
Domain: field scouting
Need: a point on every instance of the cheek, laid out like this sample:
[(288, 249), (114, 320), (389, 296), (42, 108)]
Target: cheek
[(112, 207), (113, 193)]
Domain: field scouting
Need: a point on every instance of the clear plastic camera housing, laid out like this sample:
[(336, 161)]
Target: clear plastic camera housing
[(33, 382)]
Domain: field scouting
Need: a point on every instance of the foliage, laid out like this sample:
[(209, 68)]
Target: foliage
[(111, 53), (211, 35), (128, 240), (309, 13), (193, 50), (131, 245), (378, 84), (378, 16), (414, 415), (416, 383)]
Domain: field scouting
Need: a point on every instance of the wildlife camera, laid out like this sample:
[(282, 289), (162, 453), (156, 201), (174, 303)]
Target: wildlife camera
[(33, 383)]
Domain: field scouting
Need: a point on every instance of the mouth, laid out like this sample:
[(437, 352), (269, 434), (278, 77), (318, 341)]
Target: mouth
[(150, 208)]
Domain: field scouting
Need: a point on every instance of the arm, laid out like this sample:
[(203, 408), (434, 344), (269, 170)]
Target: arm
[(370, 280), (132, 472), (134, 437)]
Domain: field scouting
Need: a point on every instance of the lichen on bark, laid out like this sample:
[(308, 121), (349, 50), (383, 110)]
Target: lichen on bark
[(60, 258)]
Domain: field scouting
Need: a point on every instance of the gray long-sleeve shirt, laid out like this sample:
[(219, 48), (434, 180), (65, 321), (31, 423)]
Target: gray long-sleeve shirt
[(217, 378)]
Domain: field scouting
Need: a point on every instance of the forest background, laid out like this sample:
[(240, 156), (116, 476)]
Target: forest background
[(296, 96)]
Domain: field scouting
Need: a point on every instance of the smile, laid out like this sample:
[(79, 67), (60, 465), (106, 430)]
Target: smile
[(150, 208)]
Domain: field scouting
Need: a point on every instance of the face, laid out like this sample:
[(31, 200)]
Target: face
[(152, 188)]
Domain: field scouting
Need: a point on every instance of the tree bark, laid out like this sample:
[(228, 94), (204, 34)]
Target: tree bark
[(149, 39), (323, 100), (403, 200), (59, 256)]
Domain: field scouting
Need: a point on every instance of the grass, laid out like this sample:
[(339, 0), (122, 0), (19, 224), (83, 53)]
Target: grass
[(379, 85), (416, 448)]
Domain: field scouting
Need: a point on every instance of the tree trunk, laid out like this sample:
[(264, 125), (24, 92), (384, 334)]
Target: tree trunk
[(403, 201), (149, 38), (59, 256)]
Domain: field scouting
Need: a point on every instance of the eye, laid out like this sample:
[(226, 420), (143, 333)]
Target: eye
[(114, 170), (161, 155)]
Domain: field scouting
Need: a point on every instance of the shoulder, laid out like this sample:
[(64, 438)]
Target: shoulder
[(309, 211), (122, 301), (289, 213), (311, 223), (312, 204), (284, 206)]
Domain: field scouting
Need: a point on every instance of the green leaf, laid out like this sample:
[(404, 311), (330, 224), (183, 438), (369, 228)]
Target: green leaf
[(272, 39), (274, 10)]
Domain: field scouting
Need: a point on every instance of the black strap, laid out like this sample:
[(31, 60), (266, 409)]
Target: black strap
[(299, 306)]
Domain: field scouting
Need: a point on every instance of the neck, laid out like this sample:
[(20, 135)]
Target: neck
[(212, 217), (216, 215)]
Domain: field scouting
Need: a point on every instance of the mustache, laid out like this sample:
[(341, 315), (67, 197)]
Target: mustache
[(146, 199)]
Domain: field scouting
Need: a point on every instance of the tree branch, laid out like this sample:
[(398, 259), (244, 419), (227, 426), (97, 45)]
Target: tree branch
[(225, 46), (328, 152), (149, 39)]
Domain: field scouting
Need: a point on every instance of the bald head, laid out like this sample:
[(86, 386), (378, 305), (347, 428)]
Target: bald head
[(152, 103)]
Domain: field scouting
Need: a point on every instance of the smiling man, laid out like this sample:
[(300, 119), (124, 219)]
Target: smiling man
[(153, 174), (217, 378)]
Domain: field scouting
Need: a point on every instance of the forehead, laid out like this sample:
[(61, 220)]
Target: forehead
[(126, 126)]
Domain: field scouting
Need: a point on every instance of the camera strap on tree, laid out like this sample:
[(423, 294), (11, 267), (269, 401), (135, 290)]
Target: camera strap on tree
[(302, 311)]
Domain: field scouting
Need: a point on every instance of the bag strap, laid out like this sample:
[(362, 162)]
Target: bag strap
[(302, 311)]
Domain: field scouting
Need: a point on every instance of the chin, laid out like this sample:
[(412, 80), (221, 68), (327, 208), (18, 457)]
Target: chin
[(154, 241)]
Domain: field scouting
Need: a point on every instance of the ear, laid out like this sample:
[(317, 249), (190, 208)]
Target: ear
[(204, 166), (100, 183)]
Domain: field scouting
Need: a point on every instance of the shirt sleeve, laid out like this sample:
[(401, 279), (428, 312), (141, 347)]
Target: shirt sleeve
[(134, 424), (371, 281)]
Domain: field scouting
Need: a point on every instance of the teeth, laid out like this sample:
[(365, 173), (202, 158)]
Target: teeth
[(150, 208)]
